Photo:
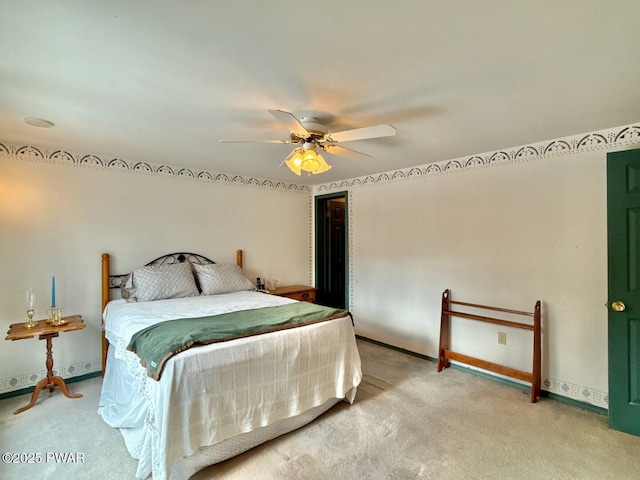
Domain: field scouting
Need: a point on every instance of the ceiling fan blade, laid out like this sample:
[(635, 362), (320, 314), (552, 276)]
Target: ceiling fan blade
[(290, 121), (255, 141), (344, 152), (362, 133)]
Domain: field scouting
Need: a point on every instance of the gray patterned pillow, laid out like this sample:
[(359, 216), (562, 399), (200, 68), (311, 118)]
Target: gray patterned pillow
[(157, 282), (218, 278)]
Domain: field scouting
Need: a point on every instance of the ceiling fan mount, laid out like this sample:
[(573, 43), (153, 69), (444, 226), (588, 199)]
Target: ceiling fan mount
[(312, 134), (313, 125), (315, 131)]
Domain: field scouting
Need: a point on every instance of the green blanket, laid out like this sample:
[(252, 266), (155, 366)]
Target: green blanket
[(157, 343)]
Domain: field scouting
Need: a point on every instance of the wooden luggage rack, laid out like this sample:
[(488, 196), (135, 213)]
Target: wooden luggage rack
[(444, 354)]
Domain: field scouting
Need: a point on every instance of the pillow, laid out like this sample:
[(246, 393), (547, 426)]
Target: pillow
[(126, 287), (219, 278), (157, 282)]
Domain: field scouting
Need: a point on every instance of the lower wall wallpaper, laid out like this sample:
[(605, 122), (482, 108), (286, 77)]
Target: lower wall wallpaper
[(27, 380)]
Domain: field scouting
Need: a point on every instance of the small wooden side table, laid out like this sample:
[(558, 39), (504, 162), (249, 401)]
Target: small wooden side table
[(46, 331), (297, 292)]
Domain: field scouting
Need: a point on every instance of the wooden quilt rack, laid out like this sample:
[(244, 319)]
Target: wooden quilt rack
[(445, 354)]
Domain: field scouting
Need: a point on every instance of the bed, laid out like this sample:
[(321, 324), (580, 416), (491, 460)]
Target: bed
[(218, 398)]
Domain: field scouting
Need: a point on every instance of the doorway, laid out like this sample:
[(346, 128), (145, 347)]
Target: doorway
[(331, 250), (623, 238)]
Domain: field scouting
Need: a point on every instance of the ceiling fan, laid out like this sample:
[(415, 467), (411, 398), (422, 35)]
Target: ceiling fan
[(311, 135)]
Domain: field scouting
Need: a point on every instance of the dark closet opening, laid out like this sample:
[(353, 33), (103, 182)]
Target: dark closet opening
[(331, 250)]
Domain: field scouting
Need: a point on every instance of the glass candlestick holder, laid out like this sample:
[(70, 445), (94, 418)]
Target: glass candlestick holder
[(30, 301), (30, 323), (56, 317)]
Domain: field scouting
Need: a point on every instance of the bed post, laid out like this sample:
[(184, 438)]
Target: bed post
[(239, 259), (105, 300)]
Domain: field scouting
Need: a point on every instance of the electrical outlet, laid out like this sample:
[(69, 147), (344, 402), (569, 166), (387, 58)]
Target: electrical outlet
[(502, 338)]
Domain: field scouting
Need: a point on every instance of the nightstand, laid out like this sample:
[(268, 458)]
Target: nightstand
[(297, 292), (46, 331)]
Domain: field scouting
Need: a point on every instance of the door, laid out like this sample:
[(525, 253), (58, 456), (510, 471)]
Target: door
[(331, 252), (623, 231)]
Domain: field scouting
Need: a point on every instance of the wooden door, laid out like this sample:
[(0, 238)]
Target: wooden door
[(623, 231)]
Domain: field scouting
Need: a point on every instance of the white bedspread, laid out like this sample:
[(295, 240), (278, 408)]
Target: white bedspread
[(211, 393)]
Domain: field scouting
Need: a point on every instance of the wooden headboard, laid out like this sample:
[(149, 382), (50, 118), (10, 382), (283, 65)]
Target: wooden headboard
[(114, 281)]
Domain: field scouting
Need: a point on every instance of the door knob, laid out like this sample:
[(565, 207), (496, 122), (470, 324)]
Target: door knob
[(618, 306)]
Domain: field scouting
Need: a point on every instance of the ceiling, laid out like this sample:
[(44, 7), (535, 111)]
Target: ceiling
[(164, 81)]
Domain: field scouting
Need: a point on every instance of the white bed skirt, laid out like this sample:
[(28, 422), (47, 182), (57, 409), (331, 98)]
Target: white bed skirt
[(233, 446)]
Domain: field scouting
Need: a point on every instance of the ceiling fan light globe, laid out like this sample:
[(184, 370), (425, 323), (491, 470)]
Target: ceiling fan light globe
[(322, 165), (306, 158), (293, 167), (310, 161), (295, 164), (309, 156)]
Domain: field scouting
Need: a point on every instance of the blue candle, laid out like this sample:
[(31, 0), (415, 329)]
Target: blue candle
[(53, 291)]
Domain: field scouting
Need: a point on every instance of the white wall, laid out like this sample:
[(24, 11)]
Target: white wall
[(58, 219), (532, 227), (507, 236)]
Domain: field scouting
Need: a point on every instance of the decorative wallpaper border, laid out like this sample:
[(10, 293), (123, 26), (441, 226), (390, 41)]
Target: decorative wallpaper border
[(311, 240), (602, 140), (576, 392), (351, 240), (26, 380), (62, 157)]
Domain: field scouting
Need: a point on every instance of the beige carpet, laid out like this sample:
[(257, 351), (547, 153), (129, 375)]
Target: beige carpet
[(407, 422)]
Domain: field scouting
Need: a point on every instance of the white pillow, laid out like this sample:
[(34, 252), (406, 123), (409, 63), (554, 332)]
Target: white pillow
[(157, 282), (217, 278)]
